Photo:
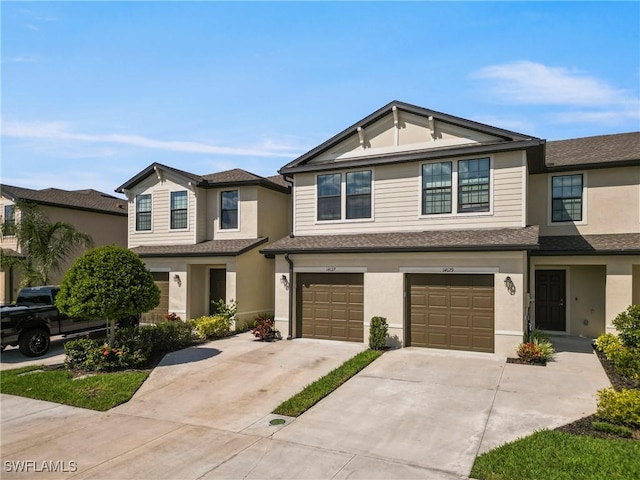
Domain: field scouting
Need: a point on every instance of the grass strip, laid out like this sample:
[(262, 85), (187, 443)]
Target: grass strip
[(316, 391), (96, 392), (552, 455)]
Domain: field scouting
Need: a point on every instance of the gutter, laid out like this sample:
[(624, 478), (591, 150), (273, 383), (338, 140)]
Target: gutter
[(290, 262)]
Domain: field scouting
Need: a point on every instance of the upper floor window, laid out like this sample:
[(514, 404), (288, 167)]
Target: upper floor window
[(473, 185), (330, 196), (359, 194), (566, 198), (436, 188), (9, 220), (229, 209), (179, 210), (143, 212)]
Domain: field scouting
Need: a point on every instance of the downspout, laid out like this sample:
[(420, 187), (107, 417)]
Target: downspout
[(528, 309), (289, 180), (290, 262)]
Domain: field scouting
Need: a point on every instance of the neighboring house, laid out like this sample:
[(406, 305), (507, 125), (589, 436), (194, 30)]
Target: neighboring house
[(447, 227), (102, 216), (200, 237)]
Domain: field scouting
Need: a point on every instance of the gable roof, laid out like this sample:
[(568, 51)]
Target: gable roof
[(227, 178), (504, 140), (591, 152), (88, 199)]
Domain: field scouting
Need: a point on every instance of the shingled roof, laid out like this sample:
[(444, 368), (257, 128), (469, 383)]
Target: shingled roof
[(601, 150), (90, 200), (612, 243), (432, 241), (209, 248), (233, 177)]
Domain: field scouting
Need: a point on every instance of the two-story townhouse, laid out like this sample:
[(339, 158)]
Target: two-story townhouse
[(426, 219), (586, 200), (200, 235), (102, 216)]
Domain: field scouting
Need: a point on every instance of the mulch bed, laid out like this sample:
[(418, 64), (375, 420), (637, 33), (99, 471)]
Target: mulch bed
[(583, 425)]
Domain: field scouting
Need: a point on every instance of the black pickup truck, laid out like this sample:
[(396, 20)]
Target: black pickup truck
[(34, 318)]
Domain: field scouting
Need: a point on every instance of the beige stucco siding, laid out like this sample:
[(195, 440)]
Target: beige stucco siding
[(255, 285), (397, 201), (384, 277), (274, 216), (611, 202), (161, 233), (247, 214)]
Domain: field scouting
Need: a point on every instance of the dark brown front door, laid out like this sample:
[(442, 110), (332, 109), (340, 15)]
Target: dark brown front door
[(550, 300), (217, 288)]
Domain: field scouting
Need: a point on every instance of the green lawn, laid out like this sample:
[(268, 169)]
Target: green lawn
[(313, 393), (97, 392), (551, 455)]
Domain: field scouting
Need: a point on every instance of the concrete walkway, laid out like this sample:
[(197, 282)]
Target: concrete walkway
[(204, 413)]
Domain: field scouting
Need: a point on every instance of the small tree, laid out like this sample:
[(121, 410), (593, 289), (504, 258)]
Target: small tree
[(107, 282), (44, 245)]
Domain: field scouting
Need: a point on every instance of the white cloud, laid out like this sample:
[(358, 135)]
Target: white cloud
[(23, 59), (526, 82), (57, 131)]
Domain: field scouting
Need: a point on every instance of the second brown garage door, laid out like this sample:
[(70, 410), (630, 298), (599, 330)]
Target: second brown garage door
[(330, 306), (451, 311)]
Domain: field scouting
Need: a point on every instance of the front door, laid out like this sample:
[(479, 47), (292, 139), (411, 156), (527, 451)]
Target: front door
[(217, 288), (550, 300)]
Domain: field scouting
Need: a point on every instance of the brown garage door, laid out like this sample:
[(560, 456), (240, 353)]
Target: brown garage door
[(159, 314), (451, 311), (330, 306)]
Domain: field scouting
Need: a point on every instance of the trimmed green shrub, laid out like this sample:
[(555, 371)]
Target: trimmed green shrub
[(378, 330), (264, 327), (619, 407), (80, 354), (604, 340), (628, 325), (536, 335), (229, 311), (214, 326)]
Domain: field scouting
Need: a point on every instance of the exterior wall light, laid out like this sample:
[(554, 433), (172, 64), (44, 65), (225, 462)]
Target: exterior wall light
[(284, 281), (510, 285), (177, 279)]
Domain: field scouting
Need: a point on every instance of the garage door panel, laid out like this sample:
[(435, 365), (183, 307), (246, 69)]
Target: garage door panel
[(331, 306), (458, 313)]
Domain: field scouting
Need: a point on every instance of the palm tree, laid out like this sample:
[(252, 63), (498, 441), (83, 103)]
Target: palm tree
[(44, 246)]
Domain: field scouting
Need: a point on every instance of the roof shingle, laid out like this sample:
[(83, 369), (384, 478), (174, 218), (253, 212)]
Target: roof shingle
[(87, 199), (601, 149), (209, 248), (470, 240), (619, 243)]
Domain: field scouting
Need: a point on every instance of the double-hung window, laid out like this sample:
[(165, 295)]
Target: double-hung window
[(229, 210), (566, 198), (9, 220), (330, 196), (351, 202), (143, 212), (179, 210), (436, 188), (473, 185), (359, 194), (462, 186)]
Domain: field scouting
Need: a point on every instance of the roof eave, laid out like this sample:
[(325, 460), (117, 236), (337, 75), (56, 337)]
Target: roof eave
[(235, 253), (413, 249), (531, 146)]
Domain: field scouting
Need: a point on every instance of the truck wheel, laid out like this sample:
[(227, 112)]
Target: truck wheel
[(34, 343)]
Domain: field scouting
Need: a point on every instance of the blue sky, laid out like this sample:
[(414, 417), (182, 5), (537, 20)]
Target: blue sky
[(93, 92)]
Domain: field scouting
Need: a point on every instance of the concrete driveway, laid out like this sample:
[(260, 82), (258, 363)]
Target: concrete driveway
[(204, 413)]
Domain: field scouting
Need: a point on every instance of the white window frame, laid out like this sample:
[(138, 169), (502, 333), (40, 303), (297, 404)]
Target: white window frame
[(585, 189), (343, 197), (185, 229), (454, 188), (135, 213)]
